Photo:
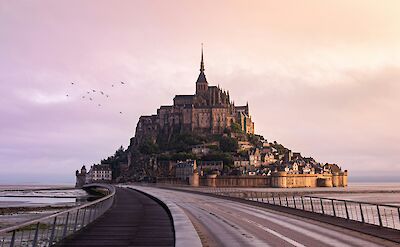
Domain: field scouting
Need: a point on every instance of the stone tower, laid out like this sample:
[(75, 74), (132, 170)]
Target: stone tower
[(80, 177), (201, 83)]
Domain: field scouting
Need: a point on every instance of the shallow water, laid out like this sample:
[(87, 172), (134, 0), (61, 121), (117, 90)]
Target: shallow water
[(33, 201), (27, 196), (22, 202)]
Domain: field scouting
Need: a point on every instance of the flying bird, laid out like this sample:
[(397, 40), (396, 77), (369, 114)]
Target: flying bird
[(120, 112), (72, 83), (67, 95), (102, 92), (122, 82), (107, 95), (90, 98), (88, 92), (93, 90), (112, 85), (83, 97), (99, 104)]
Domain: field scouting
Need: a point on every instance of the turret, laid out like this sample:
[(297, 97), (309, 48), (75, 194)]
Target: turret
[(83, 170)]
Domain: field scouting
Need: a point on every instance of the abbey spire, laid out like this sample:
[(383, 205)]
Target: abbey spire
[(201, 83), (202, 60)]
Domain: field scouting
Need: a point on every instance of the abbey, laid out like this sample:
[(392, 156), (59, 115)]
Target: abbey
[(209, 111)]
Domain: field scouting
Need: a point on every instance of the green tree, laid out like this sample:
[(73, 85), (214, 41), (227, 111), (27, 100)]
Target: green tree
[(148, 147), (183, 156), (236, 128), (226, 158), (228, 144)]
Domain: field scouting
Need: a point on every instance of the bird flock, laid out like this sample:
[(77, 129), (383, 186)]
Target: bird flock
[(91, 95)]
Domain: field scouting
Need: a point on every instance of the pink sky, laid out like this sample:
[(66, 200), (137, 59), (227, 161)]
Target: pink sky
[(321, 77)]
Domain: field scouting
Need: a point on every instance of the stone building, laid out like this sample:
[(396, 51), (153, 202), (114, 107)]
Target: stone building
[(99, 173), (185, 169), (210, 111)]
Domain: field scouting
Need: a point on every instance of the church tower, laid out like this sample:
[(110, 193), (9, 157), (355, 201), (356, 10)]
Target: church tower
[(201, 83)]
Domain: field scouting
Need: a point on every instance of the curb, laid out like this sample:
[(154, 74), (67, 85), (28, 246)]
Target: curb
[(372, 230), (185, 233)]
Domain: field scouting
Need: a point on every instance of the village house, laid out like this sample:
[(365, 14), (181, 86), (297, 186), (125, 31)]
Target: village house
[(205, 167), (200, 150), (99, 173), (255, 158), (245, 145), (185, 169)]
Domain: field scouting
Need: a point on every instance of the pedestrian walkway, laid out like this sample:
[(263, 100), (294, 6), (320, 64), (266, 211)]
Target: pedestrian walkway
[(134, 220)]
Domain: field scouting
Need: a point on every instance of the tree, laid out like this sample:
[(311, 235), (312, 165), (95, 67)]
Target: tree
[(255, 140), (114, 161), (228, 144), (182, 142), (148, 147), (226, 158), (236, 128), (182, 156)]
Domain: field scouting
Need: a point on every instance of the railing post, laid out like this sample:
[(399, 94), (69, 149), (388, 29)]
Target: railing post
[(35, 238), (312, 206), (333, 207), (95, 211), (302, 202), (347, 211), (273, 199), (398, 213), (90, 215), (287, 202), (83, 218), (294, 203), (280, 201), (322, 206), (66, 226), (53, 231), (379, 215), (362, 214), (12, 239), (76, 220)]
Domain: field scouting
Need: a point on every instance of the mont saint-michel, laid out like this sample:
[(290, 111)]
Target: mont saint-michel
[(204, 139)]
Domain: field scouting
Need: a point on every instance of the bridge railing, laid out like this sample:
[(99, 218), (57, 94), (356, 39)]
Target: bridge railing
[(375, 214), (49, 230)]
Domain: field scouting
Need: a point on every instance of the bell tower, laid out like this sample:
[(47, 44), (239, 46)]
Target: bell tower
[(201, 83)]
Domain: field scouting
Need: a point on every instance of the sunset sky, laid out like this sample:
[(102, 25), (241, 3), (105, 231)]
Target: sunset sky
[(321, 77)]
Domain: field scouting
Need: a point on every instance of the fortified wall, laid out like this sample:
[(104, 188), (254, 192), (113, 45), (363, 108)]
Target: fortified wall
[(285, 180), (276, 180)]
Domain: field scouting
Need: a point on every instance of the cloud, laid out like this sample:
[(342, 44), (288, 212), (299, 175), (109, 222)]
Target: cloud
[(321, 78), (353, 122)]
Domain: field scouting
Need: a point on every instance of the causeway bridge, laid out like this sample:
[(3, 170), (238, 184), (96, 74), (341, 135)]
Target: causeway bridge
[(132, 215)]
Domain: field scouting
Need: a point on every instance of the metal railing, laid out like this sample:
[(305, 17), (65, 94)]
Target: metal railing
[(47, 231), (375, 214)]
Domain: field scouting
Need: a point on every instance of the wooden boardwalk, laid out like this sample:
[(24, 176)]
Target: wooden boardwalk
[(134, 220)]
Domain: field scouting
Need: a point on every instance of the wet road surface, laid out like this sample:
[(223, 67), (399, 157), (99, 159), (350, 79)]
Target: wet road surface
[(222, 222)]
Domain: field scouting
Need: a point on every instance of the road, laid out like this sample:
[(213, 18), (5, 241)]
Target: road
[(222, 222)]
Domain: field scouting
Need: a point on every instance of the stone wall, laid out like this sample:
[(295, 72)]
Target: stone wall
[(276, 180), (285, 180), (235, 181)]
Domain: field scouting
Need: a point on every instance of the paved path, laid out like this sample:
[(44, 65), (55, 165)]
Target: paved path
[(226, 223), (134, 220)]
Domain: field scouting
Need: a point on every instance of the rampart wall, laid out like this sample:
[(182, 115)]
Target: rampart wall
[(276, 180)]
